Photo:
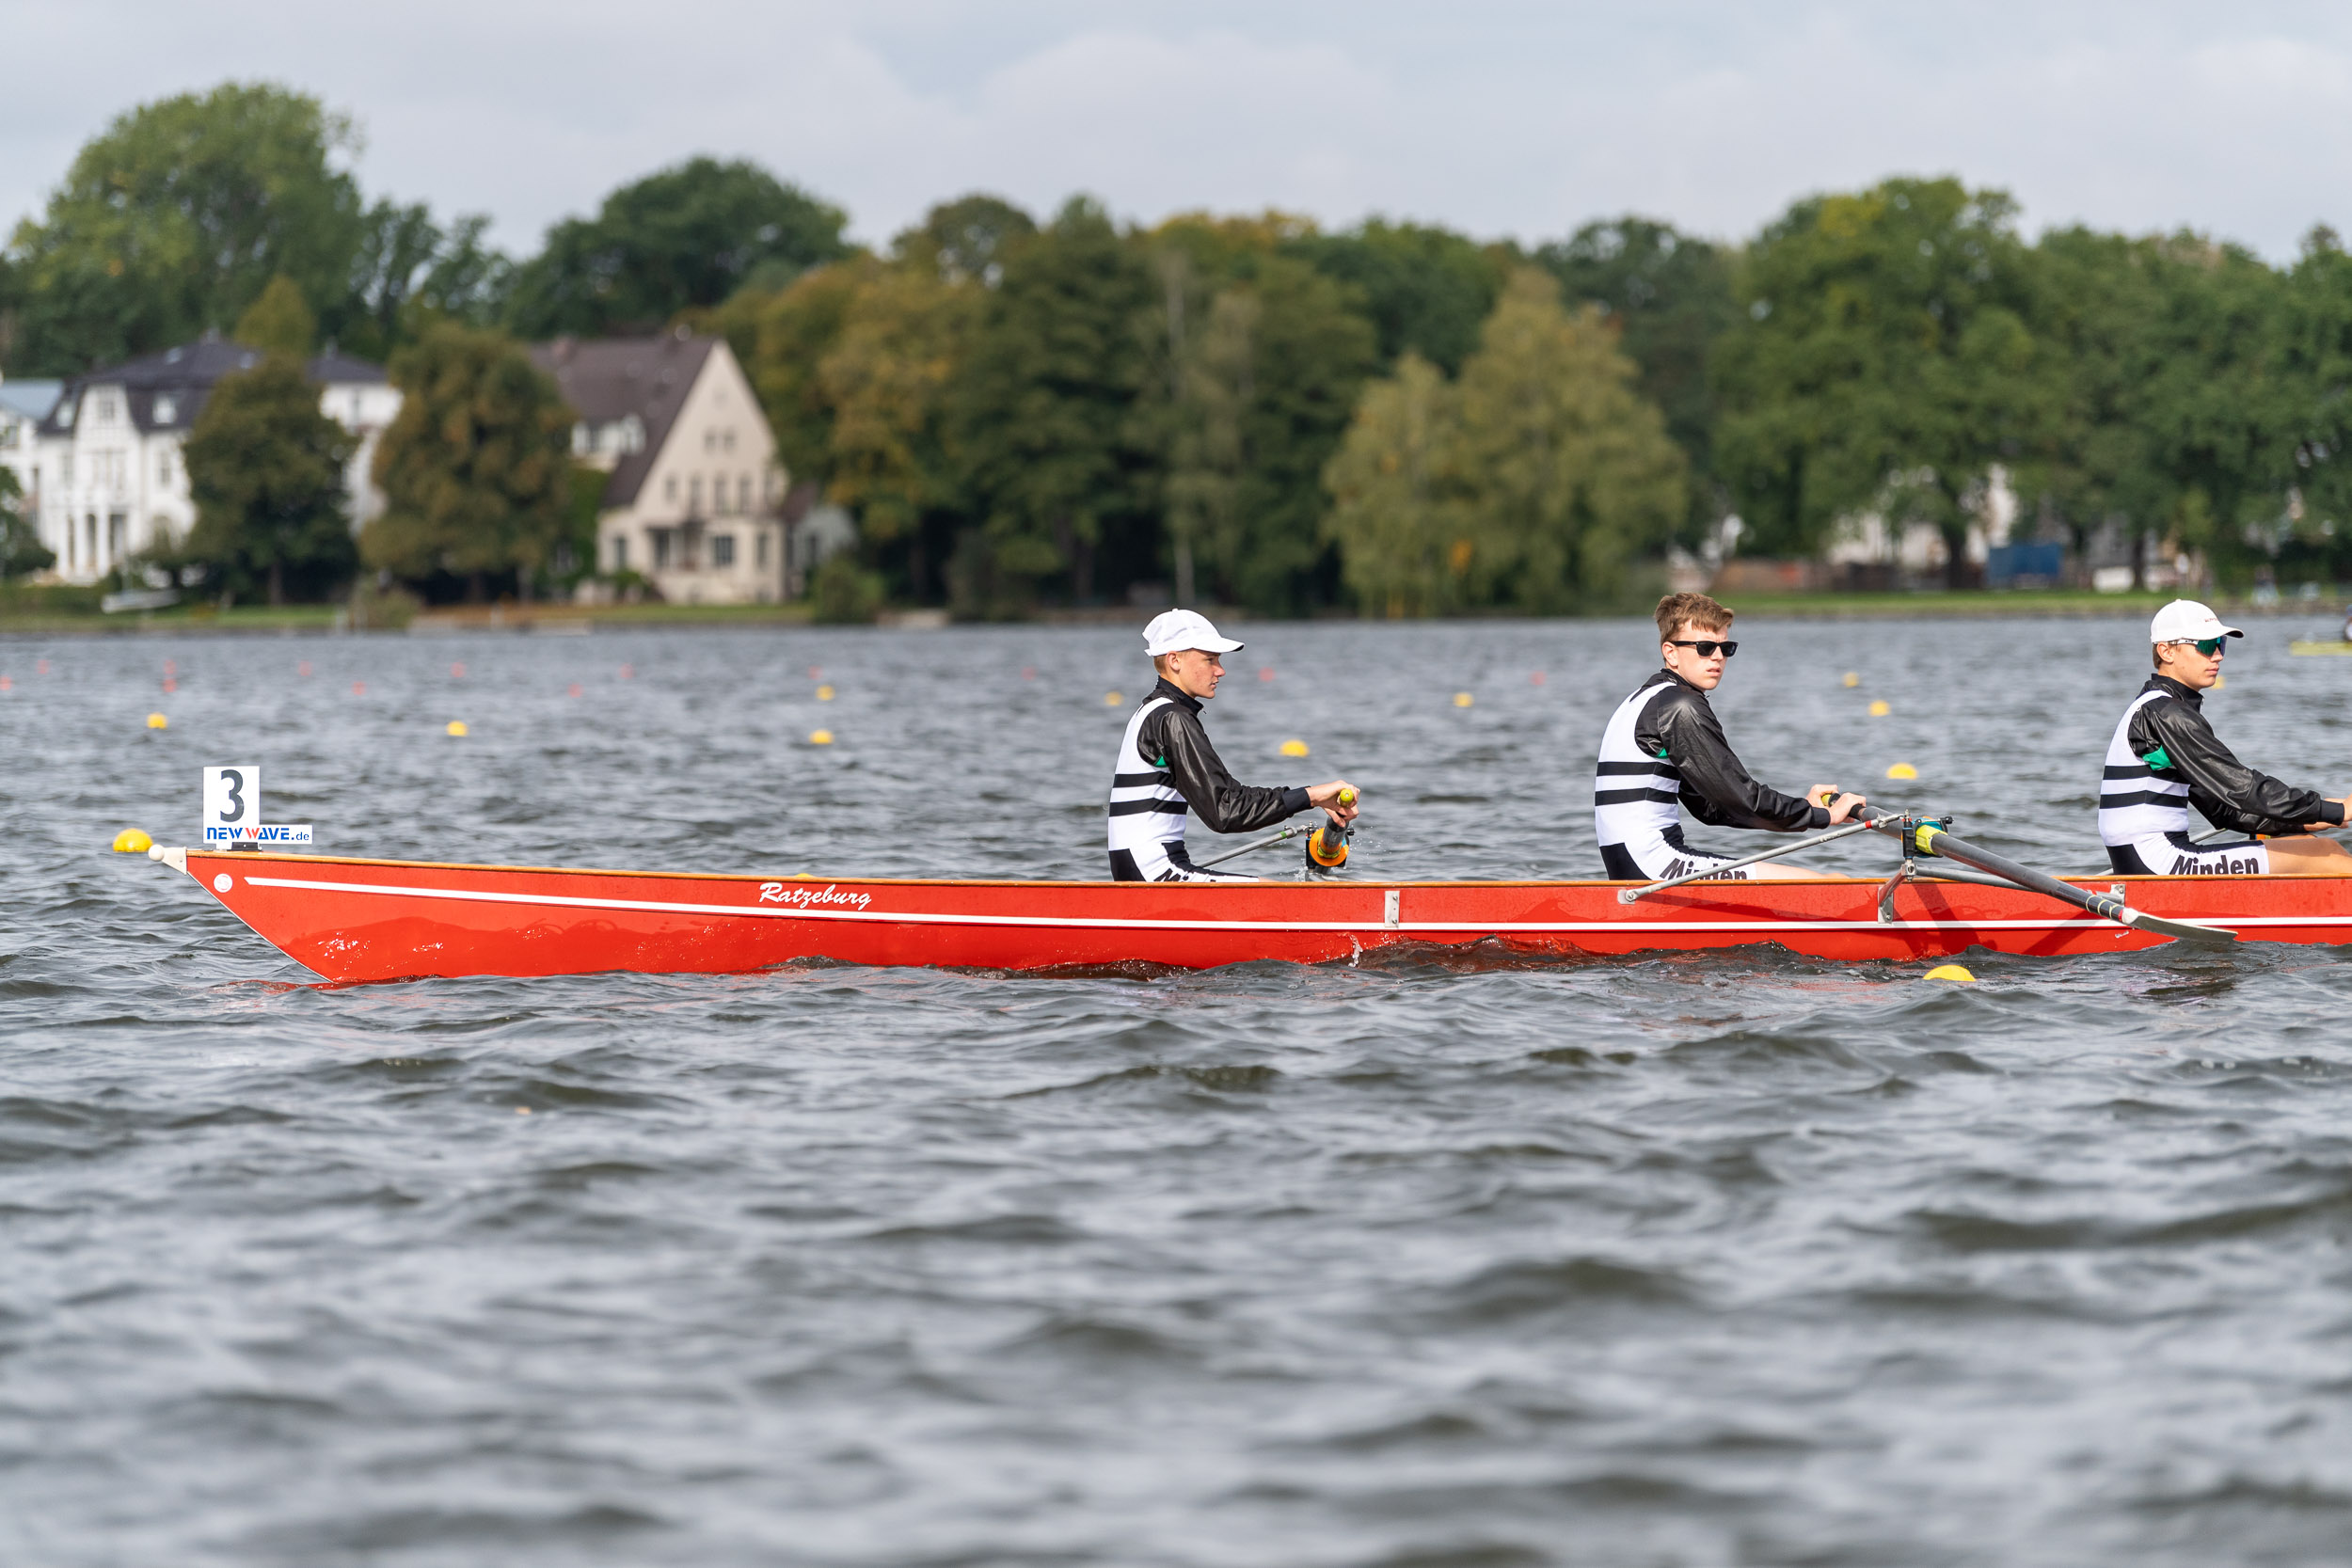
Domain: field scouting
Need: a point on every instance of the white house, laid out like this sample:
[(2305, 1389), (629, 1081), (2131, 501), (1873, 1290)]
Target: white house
[(106, 480), (23, 406), (694, 503)]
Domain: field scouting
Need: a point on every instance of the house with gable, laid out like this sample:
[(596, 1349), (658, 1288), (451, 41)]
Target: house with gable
[(693, 503), (104, 464)]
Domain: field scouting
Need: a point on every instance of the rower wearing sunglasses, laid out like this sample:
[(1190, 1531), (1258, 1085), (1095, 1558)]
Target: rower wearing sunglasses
[(2164, 758), (1663, 753)]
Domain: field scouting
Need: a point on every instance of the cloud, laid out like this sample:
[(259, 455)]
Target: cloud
[(1520, 121)]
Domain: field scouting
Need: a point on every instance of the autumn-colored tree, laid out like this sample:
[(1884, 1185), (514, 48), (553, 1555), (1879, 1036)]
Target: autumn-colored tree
[(476, 468), (279, 321), (266, 468)]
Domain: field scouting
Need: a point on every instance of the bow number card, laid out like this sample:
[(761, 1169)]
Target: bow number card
[(233, 812)]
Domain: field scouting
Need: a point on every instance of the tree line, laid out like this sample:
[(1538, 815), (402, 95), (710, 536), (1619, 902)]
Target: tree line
[(1026, 409)]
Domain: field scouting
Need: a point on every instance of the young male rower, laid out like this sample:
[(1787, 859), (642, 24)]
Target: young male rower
[(1663, 753), (1165, 764), (2164, 758)]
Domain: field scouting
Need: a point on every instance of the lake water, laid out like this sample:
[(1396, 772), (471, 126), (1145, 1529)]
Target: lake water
[(1734, 1257)]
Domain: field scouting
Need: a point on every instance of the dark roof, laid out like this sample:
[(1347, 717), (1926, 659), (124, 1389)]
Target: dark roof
[(609, 379), (180, 378)]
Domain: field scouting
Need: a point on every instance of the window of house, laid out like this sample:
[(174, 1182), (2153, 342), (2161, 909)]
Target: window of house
[(743, 494), (729, 440), (722, 550), (711, 440), (105, 414), (162, 466), (661, 549), (166, 410), (620, 552), (669, 487), (759, 546), (65, 468), (695, 496), (115, 521)]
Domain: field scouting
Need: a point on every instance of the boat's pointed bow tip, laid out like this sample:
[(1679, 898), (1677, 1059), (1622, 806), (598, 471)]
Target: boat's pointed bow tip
[(176, 859)]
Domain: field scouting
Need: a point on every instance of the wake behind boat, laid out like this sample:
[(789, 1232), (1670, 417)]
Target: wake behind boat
[(362, 920)]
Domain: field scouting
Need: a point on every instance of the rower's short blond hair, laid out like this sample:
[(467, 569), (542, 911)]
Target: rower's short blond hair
[(1696, 608)]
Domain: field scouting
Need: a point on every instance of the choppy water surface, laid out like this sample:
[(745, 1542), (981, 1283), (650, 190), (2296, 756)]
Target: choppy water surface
[(1721, 1258)]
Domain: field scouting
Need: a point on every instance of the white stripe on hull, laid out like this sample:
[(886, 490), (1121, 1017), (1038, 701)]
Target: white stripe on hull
[(1497, 927)]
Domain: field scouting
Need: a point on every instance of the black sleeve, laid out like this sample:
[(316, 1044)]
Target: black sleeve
[(2230, 794), (1716, 789), (1223, 804)]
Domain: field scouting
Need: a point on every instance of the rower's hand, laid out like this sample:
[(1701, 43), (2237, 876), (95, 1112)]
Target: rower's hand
[(1328, 797), (1841, 807)]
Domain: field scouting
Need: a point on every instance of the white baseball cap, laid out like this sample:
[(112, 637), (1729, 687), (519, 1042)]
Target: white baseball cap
[(2186, 621), (1174, 630)]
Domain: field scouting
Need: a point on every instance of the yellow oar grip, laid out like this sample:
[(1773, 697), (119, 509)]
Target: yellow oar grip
[(1347, 797), (1924, 836)]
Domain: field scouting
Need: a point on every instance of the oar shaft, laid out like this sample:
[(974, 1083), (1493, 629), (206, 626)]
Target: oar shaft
[(1627, 895), (1931, 839), (1267, 843)]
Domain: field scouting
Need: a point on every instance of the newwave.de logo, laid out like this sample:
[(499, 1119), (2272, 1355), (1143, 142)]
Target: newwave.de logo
[(803, 898)]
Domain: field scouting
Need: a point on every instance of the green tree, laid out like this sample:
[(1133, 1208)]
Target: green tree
[(21, 549), (175, 217), (884, 382), (792, 332), (1885, 361), (1571, 473), (1264, 357), (1425, 289), (685, 237), (1530, 482), (476, 468), (1042, 425), (411, 272), (966, 240), (266, 468), (278, 322), (1396, 505), (1669, 296)]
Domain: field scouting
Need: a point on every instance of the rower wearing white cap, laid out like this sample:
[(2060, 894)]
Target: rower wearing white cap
[(1165, 764), (2164, 758)]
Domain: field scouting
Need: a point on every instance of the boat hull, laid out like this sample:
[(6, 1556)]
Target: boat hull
[(360, 920)]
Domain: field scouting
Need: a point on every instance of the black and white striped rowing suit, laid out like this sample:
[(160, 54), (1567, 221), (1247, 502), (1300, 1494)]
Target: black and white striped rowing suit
[(2164, 759), (1664, 753), (1165, 764)]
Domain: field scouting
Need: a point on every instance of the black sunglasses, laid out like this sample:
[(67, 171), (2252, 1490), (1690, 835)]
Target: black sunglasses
[(1706, 646)]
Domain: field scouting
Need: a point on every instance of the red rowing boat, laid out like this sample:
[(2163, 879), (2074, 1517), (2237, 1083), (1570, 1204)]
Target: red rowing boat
[(384, 920)]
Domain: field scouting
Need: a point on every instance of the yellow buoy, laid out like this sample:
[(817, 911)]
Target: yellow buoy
[(1902, 771), (1463, 699), (133, 842), (1293, 748), (1112, 699), (157, 721), (1852, 679), (824, 693), (1950, 972), (2221, 681), (456, 728), (1879, 709), (821, 737)]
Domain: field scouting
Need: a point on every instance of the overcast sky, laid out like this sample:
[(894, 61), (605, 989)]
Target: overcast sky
[(1518, 120)]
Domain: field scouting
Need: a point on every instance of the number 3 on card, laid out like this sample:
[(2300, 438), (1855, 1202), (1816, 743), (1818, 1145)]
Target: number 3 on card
[(232, 798)]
